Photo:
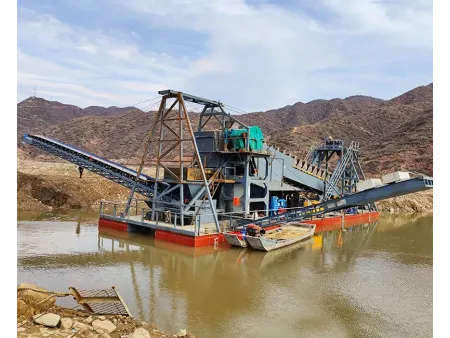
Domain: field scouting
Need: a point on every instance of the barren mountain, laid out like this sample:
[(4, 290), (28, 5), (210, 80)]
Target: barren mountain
[(394, 133), (35, 114)]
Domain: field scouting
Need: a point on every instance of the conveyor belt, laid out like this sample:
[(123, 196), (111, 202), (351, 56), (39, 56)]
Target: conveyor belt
[(103, 167), (361, 198)]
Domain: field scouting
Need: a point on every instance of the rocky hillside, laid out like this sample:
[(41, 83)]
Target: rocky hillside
[(394, 133), (36, 114)]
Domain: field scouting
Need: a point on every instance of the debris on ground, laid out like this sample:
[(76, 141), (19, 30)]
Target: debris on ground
[(38, 316)]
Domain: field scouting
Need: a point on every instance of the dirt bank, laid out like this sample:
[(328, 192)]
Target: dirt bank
[(48, 185), (38, 316), (44, 192), (418, 202), (51, 185)]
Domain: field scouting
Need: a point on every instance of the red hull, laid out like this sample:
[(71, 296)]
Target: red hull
[(333, 223), (115, 225), (193, 241), (322, 224)]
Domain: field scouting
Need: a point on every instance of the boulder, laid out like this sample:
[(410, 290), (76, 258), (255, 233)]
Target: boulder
[(24, 309), (104, 325), (80, 327), (182, 333), (66, 323), (48, 319), (91, 335), (88, 320), (32, 295), (140, 333)]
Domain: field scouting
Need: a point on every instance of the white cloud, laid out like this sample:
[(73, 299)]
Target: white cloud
[(90, 48), (88, 67), (265, 56), (405, 22), (254, 57)]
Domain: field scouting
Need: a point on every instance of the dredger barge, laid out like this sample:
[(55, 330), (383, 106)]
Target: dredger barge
[(222, 176)]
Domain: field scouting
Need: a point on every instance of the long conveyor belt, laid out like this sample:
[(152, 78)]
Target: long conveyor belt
[(103, 167), (361, 198)]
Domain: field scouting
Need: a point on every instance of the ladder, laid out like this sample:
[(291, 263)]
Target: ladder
[(337, 173), (361, 175), (212, 186), (310, 155)]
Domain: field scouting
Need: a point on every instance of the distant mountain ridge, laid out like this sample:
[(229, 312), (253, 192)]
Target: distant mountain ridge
[(35, 114), (394, 134)]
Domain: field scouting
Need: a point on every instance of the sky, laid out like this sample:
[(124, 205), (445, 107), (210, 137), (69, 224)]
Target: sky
[(254, 55)]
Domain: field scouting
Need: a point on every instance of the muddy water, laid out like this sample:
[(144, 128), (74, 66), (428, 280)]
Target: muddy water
[(371, 280)]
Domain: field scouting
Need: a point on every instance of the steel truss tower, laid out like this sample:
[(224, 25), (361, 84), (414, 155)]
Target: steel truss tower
[(348, 169), (174, 141)]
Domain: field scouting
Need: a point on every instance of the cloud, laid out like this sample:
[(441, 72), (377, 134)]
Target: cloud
[(94, 68), (253, 56), (265, 55)]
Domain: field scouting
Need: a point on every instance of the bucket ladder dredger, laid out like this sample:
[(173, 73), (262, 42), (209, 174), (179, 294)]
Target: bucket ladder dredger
[(224, 167)]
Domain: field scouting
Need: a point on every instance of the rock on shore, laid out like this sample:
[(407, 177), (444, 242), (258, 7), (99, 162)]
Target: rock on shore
[(38, 316)]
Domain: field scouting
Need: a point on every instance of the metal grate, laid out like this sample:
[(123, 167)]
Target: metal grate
[(101, 301)]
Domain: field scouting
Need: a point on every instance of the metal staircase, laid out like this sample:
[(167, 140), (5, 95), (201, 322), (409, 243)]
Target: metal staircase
[(310, 155), (332, 189), (359, 169)]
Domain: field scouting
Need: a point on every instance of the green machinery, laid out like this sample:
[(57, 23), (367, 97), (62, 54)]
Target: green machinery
[(237, 138)]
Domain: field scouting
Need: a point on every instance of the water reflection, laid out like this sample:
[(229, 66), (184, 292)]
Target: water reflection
[(59, 215), (337, 284), (78, 229)]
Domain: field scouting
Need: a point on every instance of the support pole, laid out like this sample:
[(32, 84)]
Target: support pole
[(181, 162), (200, 164), (162, 113), (141, 165)]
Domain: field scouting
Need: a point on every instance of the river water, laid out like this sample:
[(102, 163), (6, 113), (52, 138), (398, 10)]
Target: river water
[(373, 280)]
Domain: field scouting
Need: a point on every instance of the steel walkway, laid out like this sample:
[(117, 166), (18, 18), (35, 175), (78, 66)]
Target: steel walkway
[(103, 167), (362, 198)]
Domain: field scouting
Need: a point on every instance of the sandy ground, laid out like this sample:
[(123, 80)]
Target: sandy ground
[(418, 202)]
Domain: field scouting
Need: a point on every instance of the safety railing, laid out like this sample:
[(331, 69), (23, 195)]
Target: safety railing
[(117, 208), (139, 211)]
